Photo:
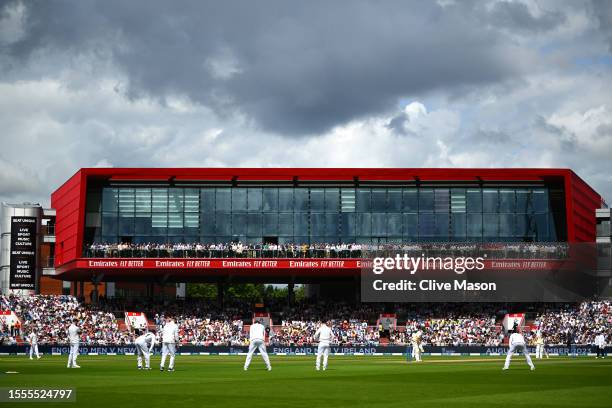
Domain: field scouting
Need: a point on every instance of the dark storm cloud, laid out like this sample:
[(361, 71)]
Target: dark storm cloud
[(294, 67), (602, 10), (516, 16)]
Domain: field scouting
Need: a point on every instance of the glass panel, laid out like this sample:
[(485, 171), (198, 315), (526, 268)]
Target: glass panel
[(285, 224), (458, 201), (270, 224), (394, 200), (348, 200), (332, 199), (331, 225), (175, 223), (317, 200), (223, 224), (159, 200), (192, 221), (317, 224), (442, 227), (270, 199), (507, 201), (490, 201), (411, 203), (364, 224), (540, 201), (300, 197), (506, 226), (109, 224), (522, 223), (410, 226), (254, 199), (474, 227), (442, 200), (285, 199), (474, 201), (363, 200), (223, 199), (239, 199), (110, 200), (426, 200), (348, 225), (208, 224), (426, 224), (126, 200), (142, 224), (490, 226), (523, 201), (143, 200), (159, 224), (207, 197), (192, 200), (458, 225), (254, 220), (300, 224), (239, 224), (379, 200), (175, 200), (379, 224), (541, 225), (126, 225), (394, 223)]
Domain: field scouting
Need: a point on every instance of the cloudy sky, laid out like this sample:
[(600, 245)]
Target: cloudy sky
[(88, 83)]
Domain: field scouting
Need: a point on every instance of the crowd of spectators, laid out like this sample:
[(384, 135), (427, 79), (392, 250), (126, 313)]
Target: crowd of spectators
[(324, 250), (578, 325), (50, 316), (202, 322)]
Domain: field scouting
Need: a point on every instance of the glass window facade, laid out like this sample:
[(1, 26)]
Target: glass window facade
[(323, 214)]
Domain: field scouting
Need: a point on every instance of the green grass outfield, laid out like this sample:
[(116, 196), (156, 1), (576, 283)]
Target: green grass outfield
[(360, 381)]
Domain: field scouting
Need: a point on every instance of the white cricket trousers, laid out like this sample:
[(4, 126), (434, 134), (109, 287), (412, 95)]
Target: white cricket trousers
[(168, 349), (416, 351), (257, 345), (519, 348), (322, 351), (539, 350), (143, 353), (74, 352), (34, 350)]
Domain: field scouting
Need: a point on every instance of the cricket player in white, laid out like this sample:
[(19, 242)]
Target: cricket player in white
[(517, 343), (257, 340), (417, 347), (169, 339), (324, 336), (33, 340), (600, 345), (144, 347), (539, 343), (74, 339)]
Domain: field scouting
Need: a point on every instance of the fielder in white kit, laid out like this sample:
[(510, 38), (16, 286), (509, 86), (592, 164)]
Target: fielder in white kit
[(74, 337), (170, 337), (324, 336), (33, 340), (144, 347), (257, 340), (517, 343)]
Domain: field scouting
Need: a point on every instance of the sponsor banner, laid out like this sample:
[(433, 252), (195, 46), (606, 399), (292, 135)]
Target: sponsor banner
[(267, 263), (579, 350), (23, 253)]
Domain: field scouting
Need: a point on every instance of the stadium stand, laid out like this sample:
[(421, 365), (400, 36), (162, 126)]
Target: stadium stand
[(204, 323)]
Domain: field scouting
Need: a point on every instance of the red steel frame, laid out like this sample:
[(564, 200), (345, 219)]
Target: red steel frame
[(69, 199)]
